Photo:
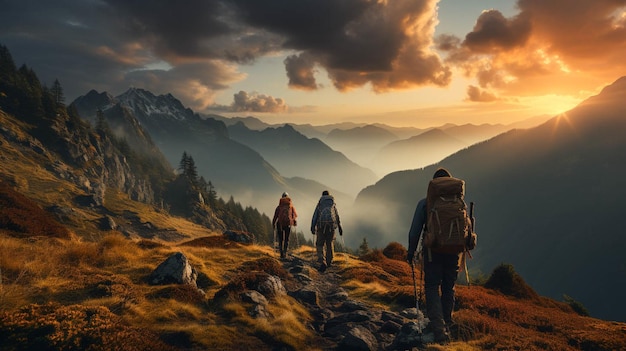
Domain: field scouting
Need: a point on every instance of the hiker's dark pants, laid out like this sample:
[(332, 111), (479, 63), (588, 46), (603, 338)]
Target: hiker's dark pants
[(440, 273), (283, 237), (325, 236)]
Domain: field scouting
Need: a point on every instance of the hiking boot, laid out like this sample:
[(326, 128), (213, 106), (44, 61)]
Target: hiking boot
[(452, 329), (322, 267), (442, 337)]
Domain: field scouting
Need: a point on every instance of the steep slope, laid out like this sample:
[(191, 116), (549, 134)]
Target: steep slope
[(293, 154), (416, 152), (548, 201), (232, 167)]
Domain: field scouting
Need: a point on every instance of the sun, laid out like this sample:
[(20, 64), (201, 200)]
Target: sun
[(551, 104)]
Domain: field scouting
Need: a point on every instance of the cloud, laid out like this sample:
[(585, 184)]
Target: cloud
[(494, 32), (253, 102), (301, 72), (548, 47), (475, 94), (383, 43), (194, 83), (553, 46)]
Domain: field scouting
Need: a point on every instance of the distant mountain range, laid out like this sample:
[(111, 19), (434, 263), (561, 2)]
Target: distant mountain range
[(549, 200), (416, 152), (232, 167), (385, 149), (293, 154)]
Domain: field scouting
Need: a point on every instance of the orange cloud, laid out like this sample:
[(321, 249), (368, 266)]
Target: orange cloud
[(549, 47)]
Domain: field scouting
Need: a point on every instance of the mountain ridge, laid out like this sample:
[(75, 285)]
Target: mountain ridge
[(293, 154), (556, 175)]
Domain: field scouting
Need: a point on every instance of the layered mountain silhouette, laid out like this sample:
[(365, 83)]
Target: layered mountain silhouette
[(416, 152), (548, 200), (232, 167), (472, 133), (359, 143), (293, 154)]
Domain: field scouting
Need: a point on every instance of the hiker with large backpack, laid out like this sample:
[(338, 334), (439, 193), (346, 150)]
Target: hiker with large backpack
[(325, 221), (284, 217), (447, 235)]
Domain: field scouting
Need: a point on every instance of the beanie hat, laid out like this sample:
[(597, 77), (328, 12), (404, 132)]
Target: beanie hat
[(441, 172), (285, 194)]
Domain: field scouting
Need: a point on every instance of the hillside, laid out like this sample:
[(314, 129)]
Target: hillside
[(547, 199), (233, 168), (102, 247), (98, 295)]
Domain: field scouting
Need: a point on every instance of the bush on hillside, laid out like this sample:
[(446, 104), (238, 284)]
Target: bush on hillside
[(505, 280), (75, 327), (395, 251), (22, 217), (577, 306)]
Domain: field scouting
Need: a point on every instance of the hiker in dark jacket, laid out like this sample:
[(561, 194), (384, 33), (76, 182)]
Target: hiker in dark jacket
[(323, 224), (440, 272), (284, 217)]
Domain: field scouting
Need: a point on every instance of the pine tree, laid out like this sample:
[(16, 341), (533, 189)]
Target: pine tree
[(191, 171), (57, 92), (364, 248), (212, 194), (182, 165), (101, 123)]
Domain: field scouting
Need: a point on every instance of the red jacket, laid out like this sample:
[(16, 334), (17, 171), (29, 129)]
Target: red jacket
[(290, 211)]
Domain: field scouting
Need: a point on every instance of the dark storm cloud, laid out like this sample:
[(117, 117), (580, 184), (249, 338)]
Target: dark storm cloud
[(301, 72), (105, 44), (493, 31)]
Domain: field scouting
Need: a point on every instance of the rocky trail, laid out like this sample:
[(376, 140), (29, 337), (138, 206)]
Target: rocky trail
[(345, 323)]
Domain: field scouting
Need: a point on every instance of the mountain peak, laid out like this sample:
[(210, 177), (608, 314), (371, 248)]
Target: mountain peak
[(144, 102)]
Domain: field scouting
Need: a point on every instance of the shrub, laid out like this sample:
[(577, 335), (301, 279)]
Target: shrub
[(577, 306), (395, 251), (24, 218), (507, 281)]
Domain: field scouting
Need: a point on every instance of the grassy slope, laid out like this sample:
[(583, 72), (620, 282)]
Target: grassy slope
[(90, 289)]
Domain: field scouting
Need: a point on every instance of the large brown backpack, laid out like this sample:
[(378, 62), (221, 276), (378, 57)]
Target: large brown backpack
[(448, 225), (284, 214)]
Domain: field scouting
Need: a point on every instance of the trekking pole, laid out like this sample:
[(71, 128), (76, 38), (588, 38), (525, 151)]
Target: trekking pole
[(275, 237), (466, 252), (417, 306), (296, 232)]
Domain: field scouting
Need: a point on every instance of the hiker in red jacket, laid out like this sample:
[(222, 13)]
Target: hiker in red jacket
[(284, 217)]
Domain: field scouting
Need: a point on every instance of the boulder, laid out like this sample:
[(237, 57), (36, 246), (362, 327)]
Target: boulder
[(239, 237), (174, 270), (359, 338)]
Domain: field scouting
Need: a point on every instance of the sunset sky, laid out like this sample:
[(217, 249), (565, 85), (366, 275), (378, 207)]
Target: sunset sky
[(399, 62)]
